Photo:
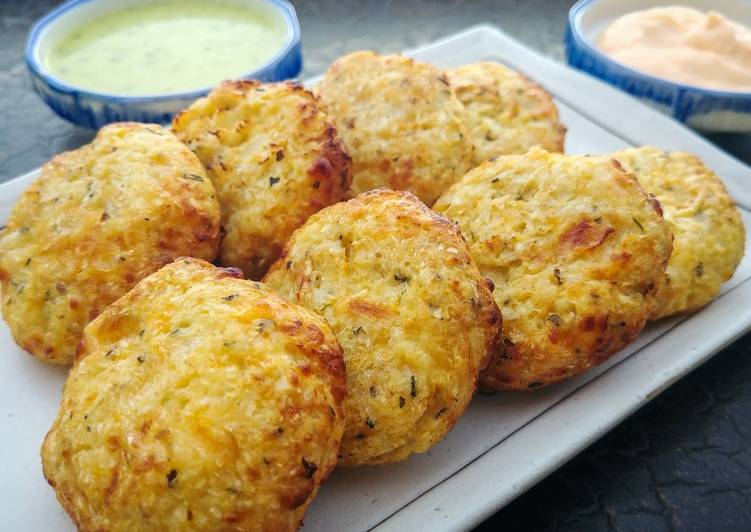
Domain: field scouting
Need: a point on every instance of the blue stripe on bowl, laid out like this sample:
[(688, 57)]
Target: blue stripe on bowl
[(93, 110), (685, 103)]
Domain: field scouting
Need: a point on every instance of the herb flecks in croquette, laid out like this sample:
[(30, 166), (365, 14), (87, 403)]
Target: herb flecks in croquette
[(263, 325), (423, 146), (274, 402), (705, 222), (508, 113), (407, 269), (574, 235), (400, 277), (264, 138), (20, 285), (83, 255), (309, 467)]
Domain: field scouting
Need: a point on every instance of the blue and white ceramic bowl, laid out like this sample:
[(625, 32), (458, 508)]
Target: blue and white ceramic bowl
[(94, 109), (705, 109)]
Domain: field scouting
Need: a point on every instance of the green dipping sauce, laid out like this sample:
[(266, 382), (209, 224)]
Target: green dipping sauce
[(167, 46)]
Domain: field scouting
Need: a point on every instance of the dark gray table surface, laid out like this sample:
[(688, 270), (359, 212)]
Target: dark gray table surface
[(682, 462)]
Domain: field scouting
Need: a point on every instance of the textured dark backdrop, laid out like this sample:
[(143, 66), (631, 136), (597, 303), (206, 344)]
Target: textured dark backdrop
[(682, 462)]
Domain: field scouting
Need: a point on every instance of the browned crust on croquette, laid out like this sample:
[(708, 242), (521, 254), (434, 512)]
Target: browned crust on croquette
[(96, 221), (575, 248), (266, 189), (415, 319), (209, 398), (399, 120)]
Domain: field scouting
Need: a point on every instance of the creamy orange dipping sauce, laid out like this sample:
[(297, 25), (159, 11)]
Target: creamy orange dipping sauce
[(684, 45)]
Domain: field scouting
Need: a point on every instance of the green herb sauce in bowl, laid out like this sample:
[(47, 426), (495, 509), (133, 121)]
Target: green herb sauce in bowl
[(168, 46), (99, 61)]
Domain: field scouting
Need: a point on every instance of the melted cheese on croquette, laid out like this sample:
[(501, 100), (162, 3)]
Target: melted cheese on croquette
[(575, 249), (400, 122), (507, 113), (96, 221), (274, 159), (200, 401), (707, 228), (415, 318)]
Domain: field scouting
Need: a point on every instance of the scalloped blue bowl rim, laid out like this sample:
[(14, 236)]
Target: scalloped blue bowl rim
[(36, 66), (575, 35)]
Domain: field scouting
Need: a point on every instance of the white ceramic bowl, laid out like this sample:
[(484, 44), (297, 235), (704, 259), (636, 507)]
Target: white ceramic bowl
[(94, 109), (705, 109)]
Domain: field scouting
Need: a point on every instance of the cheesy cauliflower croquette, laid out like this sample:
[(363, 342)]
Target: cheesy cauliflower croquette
[(507, 113), (400, 122), (415, 318), (274, 159), (199, 401), (707, 227), (575, 249), (96, 221)]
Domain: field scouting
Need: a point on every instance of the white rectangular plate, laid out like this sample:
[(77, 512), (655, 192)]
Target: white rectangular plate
[(504, 443)]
